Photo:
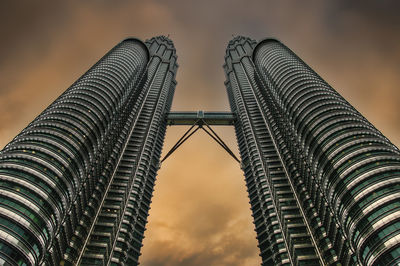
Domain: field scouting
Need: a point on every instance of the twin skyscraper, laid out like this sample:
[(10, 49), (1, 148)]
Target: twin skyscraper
[(76, 183)]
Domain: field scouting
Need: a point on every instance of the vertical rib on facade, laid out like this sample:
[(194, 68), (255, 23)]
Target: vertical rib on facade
[(350, 167)]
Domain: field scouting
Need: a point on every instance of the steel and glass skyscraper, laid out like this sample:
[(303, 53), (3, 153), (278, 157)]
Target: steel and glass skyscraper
[(324, 184), (76, 183)]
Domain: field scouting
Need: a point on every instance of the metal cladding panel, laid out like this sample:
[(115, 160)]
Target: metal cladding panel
[(346, 164), (48, 171)]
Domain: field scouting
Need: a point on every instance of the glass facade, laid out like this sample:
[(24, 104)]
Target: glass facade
[(283, 231), (115, 237), (339, 174), (76, 183)]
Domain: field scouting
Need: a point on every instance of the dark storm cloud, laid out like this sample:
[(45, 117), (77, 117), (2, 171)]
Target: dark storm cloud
[(26, 23), (385, 11), (25, 34)]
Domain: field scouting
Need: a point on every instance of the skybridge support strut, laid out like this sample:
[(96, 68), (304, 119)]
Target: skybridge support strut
[(203, 120)]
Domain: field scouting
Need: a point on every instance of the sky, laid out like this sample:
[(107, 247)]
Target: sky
[(200, 214)]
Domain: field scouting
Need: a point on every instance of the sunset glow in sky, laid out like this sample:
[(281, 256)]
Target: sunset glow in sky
[(200, 213)]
